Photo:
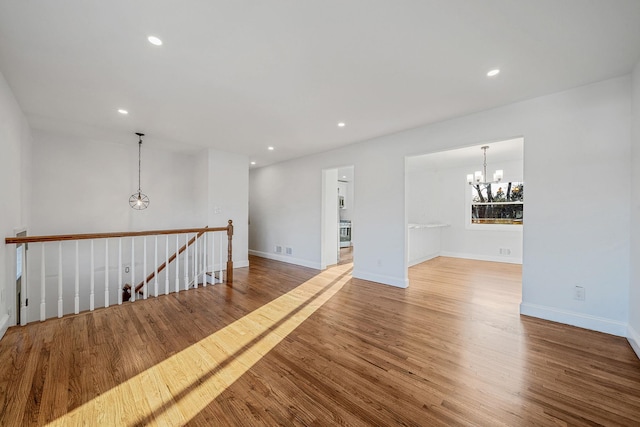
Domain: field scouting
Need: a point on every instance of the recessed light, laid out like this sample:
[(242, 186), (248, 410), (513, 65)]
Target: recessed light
[(270, 148), (154, 40), (493, 73), (123, 111), (344, 177), (253, 163), (341, 124)]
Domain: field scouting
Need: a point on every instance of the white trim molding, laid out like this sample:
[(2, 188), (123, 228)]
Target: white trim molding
[(286, 258), (4, 325), (380, 278), (634, 340), (581, 320), (509, 260)]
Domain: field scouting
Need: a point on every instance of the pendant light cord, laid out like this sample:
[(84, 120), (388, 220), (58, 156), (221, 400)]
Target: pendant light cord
[(139, 163)]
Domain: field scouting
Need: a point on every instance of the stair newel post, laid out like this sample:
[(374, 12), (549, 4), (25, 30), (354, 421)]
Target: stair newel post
[(43, 287), (76, 298), (186, 262), (119, 271), (60, 279), (177, 263), (229, 252), (93, 280), (106, 272)]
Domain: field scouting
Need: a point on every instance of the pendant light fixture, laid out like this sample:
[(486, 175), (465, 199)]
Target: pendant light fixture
[(139, 200), (480, 177)]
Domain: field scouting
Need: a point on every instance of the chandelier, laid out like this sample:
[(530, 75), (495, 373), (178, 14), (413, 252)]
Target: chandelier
[(480, 177), (139, 200)]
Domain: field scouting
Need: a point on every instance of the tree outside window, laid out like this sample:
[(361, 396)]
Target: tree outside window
[(497, 203)]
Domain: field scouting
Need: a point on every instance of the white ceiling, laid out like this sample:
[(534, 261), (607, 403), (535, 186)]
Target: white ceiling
[(243, 75), (499, 151)]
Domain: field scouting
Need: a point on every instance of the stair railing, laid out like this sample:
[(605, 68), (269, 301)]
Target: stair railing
[(194, 262)]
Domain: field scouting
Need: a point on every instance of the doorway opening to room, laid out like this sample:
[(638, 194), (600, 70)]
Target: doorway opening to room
[(337, 216), (466, 203)]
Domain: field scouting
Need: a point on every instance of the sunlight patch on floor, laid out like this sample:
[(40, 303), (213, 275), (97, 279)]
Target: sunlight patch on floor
[(178, 388)]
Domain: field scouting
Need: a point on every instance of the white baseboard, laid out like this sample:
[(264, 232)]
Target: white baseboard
[(634, 339), (287, 259), (240, 264), (423, 259), (4, 325), (380, 278), (573, 318), (492, 258)]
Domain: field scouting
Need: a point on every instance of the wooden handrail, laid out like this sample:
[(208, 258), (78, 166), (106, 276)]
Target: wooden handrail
[(64, 237), (171, 258)]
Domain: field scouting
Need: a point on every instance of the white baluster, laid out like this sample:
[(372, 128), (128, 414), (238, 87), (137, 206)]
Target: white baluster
[(186, 262), (119, 270), (204, 259), (23, 289), (76, 297), (133, 270), (106, 272), (144, 268), (43, 305), (155, 282), (93, 281), (60, 279), (177, 263), (195, 262), (221, 259), (166, 266), (212, 237)]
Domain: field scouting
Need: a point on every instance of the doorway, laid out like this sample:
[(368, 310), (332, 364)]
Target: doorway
[(337, 211), (345, 214), (451, 213)]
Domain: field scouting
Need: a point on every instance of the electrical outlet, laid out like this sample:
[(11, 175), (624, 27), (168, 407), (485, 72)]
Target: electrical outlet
[(579, 293), (288, 251), (217, 210), (126, 268), (504, 251), (278, 249)]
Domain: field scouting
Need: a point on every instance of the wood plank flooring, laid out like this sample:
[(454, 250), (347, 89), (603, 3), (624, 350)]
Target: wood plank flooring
[(288, 345)]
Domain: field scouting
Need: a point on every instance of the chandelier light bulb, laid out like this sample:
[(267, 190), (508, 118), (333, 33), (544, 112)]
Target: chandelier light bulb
[(479, 177)]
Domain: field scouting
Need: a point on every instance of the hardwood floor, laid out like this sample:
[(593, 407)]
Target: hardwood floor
[(346, 255), (289, 345)]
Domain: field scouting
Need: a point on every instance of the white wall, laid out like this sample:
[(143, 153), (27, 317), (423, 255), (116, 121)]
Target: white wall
[(15, 148), (229, 199), (330, 214), (424, 197), (572, 235), (634, 283), (84, 186)]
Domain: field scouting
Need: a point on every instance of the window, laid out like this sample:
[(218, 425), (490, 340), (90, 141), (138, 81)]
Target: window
[(497, 203)]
